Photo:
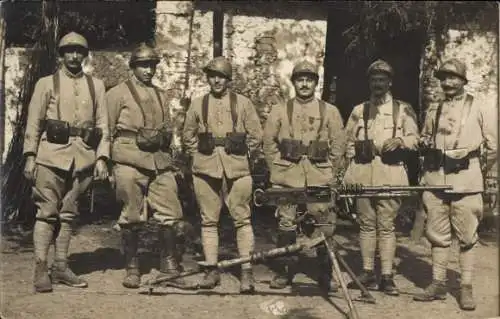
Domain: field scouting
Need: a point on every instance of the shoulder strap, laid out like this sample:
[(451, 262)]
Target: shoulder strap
[(436, 121), (91, 85), (204, 111), (395, 116), (289, 112), (366, 114), (322, 109), (57, 83), (135, 95), (465, 114), (234, 113), (158, 96)]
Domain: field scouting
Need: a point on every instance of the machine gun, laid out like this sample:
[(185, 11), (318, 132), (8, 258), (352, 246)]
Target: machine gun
[(324, 194)]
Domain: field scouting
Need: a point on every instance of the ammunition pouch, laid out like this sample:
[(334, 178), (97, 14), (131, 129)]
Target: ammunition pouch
[(455, 165), (57, 131), (394, 157), (148, 139), (206, 143), (433, 159), (235, 143), (291, 150), (364, 151), (92, 136), (318, 151)]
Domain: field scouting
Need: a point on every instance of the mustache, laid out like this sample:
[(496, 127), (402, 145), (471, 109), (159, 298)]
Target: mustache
[(448, 87)]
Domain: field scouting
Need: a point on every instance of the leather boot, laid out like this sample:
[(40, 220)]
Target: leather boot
[(367, 279), (388, 286), (466, 298), (62, 274), (325, 270), (435, 291), (284, 272), (211, 279), (169, 265), (247, 281), (130, 242), (42, 281)]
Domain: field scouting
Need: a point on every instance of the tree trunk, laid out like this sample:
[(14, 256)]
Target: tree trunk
[(16, 190), (2, 81)]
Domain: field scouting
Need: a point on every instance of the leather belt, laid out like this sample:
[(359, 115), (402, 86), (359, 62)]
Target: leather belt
[(474, 153), (126, 133), (219, 141), (76, 131)]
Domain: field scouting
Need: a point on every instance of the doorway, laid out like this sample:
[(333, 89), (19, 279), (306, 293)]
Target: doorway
[(348, 73)]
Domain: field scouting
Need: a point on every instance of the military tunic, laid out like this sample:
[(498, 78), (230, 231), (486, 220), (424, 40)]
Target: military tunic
[(379, 213), (305, 126), (209, 171), (64, 171), (141, 175), (459, 210)]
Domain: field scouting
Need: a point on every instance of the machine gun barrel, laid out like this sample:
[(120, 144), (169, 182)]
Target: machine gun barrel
[(323, 194)]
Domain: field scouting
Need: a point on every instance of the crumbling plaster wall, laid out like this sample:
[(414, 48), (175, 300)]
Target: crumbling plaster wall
[(264, 49)]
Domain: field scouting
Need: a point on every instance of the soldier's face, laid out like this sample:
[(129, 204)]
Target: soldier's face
[(304, 85), (144, 71), (73, 57), (218, 83), (452, 85), (380, 84)]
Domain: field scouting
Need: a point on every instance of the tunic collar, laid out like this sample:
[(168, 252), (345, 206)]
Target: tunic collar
[(70, 74)]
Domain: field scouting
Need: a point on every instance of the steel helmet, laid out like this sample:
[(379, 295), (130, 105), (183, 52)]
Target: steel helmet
[(452, 66), (144, 52), (305, 67), (380, 66), (73, 39), (220, 65)]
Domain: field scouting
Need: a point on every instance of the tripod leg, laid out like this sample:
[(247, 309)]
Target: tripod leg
[(366, 296), (353, 314)]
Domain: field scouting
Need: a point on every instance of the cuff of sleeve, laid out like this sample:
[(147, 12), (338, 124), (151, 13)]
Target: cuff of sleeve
[(26, 154), (103, 157)]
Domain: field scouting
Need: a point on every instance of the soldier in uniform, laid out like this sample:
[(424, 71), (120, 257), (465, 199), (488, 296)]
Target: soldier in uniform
[(380, 134), (141, 130), (303, 146), (451, 138), (66, 144), (222, 133)]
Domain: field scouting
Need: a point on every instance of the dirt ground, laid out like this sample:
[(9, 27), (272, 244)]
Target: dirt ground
[(95, 255)]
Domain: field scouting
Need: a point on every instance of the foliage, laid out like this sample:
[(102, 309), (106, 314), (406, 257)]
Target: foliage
[(115, 23), (381, 20)]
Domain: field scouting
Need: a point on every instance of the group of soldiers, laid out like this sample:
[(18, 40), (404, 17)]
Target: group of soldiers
[(76, 131)]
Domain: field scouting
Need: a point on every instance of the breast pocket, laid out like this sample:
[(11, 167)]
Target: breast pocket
[(389, 127)]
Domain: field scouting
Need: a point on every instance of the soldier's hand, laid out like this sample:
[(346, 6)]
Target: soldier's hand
[(425, 143), (30, 168), (101, 170), (392, 144)]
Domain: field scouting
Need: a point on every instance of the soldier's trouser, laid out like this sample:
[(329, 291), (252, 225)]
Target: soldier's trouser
[(56, 194), (136, 189), (237, 194), (449, 214), (377, 222)]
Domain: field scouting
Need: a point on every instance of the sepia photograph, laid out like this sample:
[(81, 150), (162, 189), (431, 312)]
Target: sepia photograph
[(249, 159)]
